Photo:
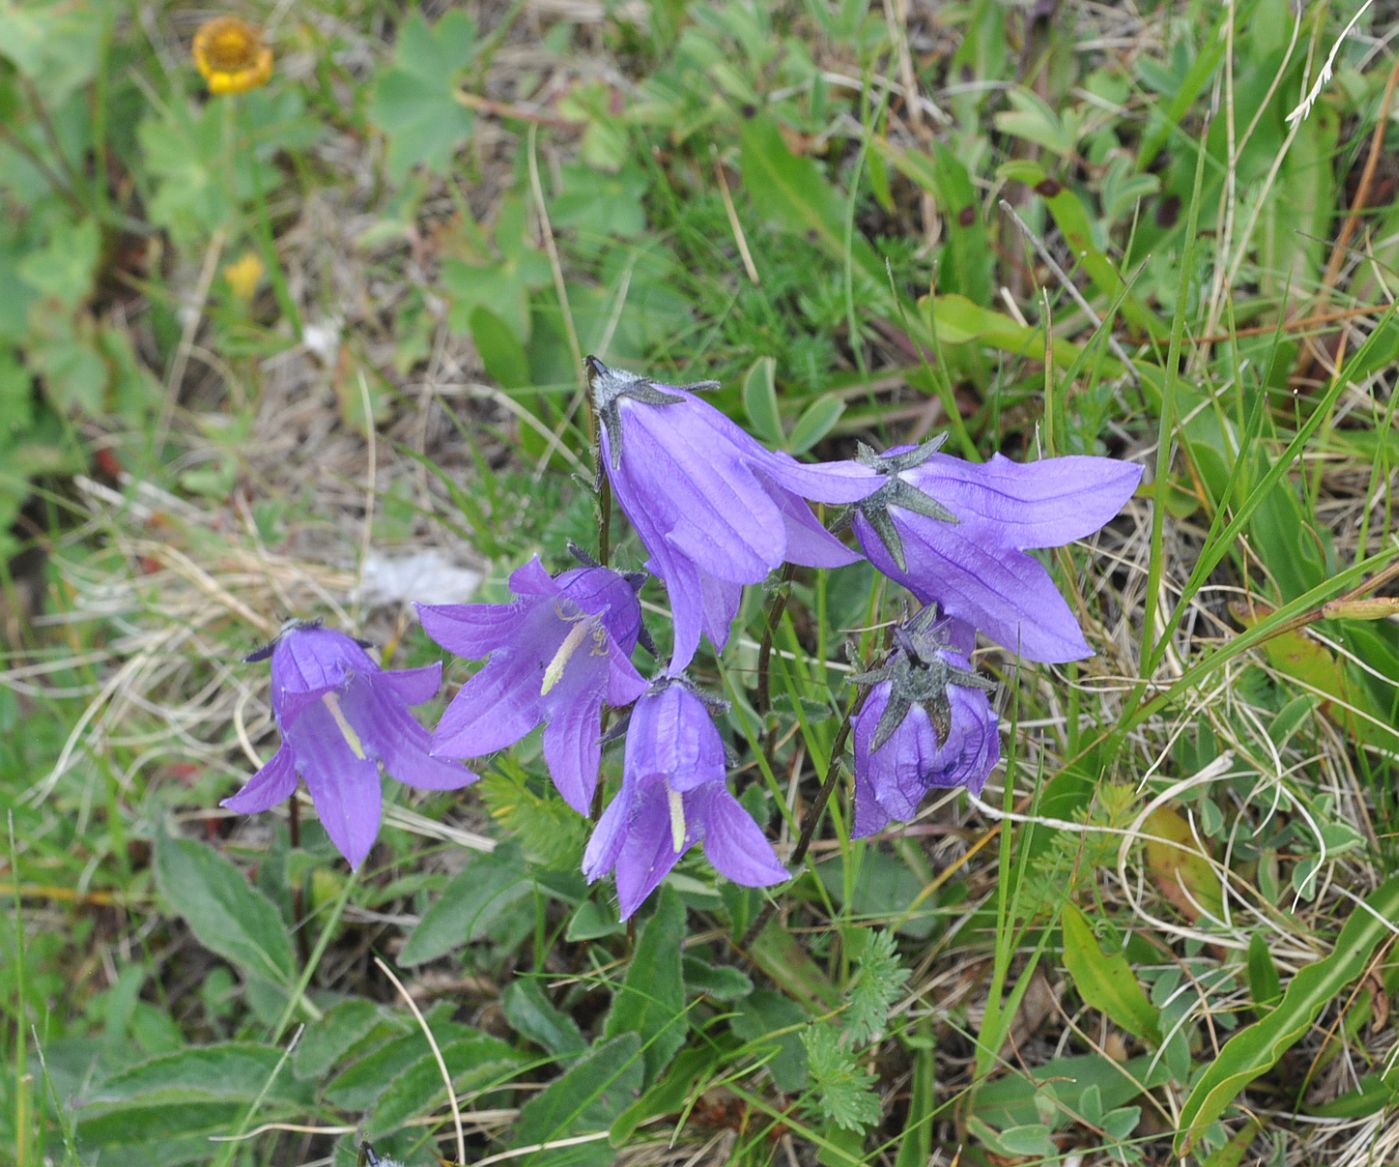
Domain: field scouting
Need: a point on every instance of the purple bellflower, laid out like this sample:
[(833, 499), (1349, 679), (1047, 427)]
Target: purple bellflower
[(955, 533), (556, 654), (926, 724), (341, 716), (714, 509), (674, 795)]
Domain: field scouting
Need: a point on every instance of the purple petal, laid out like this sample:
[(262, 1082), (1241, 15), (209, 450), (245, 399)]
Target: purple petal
[(605, 844), (412, 686), (973, 746), (495, 709), (673, 737), (273, 783), (648, 853), (833, 482), (1030, 504), (345, 788), (869, 815), (530, 579), (471, 631), (699, 603), (390, 733), (706, 505), (808, 542), (573, 739), (316, 660), (624, 683), (602, 592), (733, 842), (1007, 594)]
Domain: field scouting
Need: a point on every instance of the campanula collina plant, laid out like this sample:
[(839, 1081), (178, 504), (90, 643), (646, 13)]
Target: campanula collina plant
[(714, 512)]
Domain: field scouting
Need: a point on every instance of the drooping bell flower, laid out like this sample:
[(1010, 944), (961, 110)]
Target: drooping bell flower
[(955, 533), (674, 795), (714, 509), (556, 654), (341, 717), (926, 724)]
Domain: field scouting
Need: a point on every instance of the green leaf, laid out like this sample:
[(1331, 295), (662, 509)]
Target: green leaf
[(1233, 1152), (235, 1071), (791, 191), (1032, 1139), (56, 45), (592, 921), (359, 1084), (533, 1016), (1107, 982), (415, 102), (816, 421), (484, 890), (65, 267), (585, 1100), (1034, 120), (1263, 980), (916, 1147), (474, 1062), (760, 401), (228, 915), (769, 1021), (189, 1095), (670, 1094), (721, 982), (845, 1088), (651, 1003), (1255, 1050), (339, 1030), (62, 354), (879, 979), (500, 348)]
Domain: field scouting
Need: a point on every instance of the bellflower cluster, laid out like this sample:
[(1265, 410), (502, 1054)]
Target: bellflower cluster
[(555, 655), (715, 511), (341, 716), (673, 796)]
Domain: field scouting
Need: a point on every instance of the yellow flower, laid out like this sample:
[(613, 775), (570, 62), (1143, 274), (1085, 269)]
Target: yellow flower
[(243, 275), (230, 54)]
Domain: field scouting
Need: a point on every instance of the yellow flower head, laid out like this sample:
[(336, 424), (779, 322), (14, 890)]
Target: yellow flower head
[(243, 275), (230, 54)]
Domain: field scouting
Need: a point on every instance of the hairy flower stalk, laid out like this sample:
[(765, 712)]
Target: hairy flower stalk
[(674, 795), (925, 724), (955, 533), (341, 717), (556, 654), (714, 509)]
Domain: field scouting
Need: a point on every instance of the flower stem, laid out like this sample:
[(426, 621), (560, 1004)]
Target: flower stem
[(604, 504), (763, 701), (298, 893)]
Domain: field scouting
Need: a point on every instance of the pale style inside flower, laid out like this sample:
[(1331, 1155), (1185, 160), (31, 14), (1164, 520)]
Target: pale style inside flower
[(332, 702), (677, 818)]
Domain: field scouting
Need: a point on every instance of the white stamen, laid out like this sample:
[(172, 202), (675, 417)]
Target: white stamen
[(677, 818), (332, 702), (554, 673)]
